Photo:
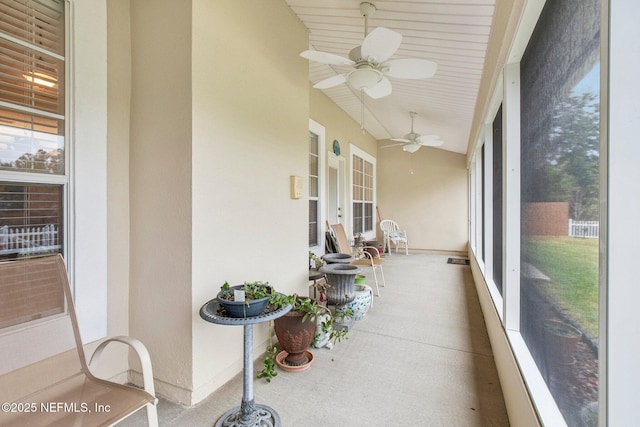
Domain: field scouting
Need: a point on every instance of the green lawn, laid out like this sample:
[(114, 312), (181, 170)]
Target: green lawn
[(572, 265)]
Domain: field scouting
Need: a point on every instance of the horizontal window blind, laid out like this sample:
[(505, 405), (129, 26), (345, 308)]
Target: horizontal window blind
[(32, 86), (33, 175), (30, 78), (31, 219), (29, 294), (37, 22)]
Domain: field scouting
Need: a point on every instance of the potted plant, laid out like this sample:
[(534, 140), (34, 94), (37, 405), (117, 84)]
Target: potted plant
[(561, 340), (315, 262), (295, 331), (247, 300)]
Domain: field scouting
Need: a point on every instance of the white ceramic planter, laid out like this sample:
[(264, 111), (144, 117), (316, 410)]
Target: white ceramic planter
[(361, 304)]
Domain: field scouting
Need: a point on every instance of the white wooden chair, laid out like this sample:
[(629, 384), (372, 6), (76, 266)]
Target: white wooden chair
[(392, 233), (370, 255), (79, 397)]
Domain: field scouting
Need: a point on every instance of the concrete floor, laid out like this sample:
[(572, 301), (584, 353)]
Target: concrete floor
[(420, 357)]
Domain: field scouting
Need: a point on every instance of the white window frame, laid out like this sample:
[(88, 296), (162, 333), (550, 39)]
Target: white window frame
[(356, 151), (508, 305), (619, 115), (86, 192), (473, 222), (319, 130), (496, 102)]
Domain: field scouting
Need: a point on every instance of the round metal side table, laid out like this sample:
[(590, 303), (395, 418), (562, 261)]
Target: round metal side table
[(248, 413)]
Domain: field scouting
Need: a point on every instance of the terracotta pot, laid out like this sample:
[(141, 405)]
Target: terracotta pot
[(280, 361), (295, 336), (561, 341)]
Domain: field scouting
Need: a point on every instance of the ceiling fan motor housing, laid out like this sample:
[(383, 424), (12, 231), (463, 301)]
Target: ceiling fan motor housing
[(412, 136), (356, 55)]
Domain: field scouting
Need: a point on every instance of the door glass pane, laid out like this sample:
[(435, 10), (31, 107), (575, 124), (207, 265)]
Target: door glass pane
[(313, 143), (560, 204), (357, 218), (368, 216), (313, 164), (313, 222), (313, 186)]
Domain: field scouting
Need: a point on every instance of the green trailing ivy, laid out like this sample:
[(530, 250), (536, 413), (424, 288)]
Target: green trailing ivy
[(311, 310)]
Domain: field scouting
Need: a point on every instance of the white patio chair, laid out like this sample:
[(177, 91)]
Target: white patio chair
[(41, 285), (392, 233)]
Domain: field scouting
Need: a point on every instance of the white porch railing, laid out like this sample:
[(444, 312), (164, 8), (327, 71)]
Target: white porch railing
[(28, 240), (588, 229)]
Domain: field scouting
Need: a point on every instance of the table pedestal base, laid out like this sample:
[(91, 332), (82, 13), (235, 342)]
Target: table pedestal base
[(249, 415)]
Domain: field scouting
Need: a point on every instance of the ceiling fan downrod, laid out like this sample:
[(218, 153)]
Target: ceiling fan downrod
[(362, 111), (367, 9), (412, 114)]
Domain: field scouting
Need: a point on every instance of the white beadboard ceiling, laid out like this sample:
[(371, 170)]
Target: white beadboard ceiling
[(452, 33)]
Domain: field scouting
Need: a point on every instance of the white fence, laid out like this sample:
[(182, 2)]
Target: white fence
[(28, 240), (588, 229)]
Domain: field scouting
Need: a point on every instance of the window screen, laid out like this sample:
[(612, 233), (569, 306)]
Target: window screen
[(559, 185)]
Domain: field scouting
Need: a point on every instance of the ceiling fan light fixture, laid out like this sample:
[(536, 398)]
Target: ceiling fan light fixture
[(411, 147), (364, 78)]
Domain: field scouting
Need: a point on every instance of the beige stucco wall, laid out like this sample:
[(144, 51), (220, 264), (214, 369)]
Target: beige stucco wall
[(214, 138), (250, 134), (215, 133), (339, 125), (160, 189), (431, 203)]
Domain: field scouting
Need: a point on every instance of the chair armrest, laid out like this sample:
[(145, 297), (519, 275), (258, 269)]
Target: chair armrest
[(141, 352)]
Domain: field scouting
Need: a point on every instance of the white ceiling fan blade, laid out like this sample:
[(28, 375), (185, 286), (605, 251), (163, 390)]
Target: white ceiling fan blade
[(428, 138), (331, 81), (380, 44), (326, 58), (404, 140), (409, 68), (392, 145), (432, 143), (380, 90)]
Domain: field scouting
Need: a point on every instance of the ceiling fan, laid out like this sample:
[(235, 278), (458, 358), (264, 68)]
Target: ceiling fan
[(370, 63), (413, 141)]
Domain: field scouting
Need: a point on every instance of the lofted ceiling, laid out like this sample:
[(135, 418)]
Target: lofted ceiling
[(454, 34)]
